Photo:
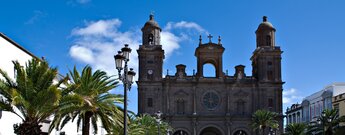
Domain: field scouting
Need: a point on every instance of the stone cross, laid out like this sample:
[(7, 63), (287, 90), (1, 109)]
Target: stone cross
[(210, 37)]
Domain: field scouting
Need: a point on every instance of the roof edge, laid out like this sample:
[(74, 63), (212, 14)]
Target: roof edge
[(17, 45)]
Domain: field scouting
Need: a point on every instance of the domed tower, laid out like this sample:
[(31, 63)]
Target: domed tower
[(265, 34), (266, 62), (266, 59), (150, 56), (151, 32)]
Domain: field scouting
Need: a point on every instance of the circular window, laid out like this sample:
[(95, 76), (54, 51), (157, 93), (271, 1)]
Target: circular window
[(210, 100)]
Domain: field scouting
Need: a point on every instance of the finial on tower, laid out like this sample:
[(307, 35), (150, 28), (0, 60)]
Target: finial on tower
[(200, 40), (151, 15), (264, 18)]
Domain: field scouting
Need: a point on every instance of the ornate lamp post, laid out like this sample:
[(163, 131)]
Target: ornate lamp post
[(126, 77), (168, 131), (159, 114)]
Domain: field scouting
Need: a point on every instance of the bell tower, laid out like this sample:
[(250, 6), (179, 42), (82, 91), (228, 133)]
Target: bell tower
[(150, 53), (151, 32), (265, 34), (150, 56), (210, 53), (266, 59)]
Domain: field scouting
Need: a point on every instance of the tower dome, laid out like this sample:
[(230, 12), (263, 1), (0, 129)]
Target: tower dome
[(151, 23), (265, 34), (265, 24)]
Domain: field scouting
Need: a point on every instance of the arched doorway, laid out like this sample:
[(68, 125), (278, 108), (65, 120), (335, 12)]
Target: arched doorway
[(240, 132), (210, 131), (180, 132)]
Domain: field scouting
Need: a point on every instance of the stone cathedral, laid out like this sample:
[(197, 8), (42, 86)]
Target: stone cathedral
[(222, 105)]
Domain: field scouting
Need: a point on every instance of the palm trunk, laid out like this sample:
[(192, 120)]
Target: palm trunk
[(263, 130), (86, 123)]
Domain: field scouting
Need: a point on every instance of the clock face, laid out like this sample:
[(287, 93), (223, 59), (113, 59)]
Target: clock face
[(210, 100), (150, 72)]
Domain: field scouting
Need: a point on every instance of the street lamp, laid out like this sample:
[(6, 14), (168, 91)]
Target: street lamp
[(159, 114), (126, 77), (323, 120), (323, 114), (168, 131)]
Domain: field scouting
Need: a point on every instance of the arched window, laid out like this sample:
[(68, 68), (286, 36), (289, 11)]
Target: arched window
[(270, 103), (180, 106), (209, 70), (240, 107), (269, 71), (180, 132), (240, 132), (268, 40), (150, 39), (269, 64), (149, 102)]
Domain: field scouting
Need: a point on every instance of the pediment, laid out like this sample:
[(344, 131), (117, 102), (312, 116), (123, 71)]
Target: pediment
[(181, 92), (240, 101)]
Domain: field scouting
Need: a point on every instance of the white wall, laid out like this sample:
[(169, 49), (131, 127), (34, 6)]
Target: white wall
[(8, 53)]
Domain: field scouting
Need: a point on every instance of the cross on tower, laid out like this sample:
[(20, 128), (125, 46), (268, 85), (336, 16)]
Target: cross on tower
[(210, 37)]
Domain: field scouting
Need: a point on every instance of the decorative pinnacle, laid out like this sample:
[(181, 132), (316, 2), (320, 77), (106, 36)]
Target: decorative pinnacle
[(264, 18), (219, 40)]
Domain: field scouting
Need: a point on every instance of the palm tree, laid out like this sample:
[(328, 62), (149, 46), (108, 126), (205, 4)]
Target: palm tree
[(87, 99), (327, 123), (295, 129), (262, 119), (33, 96), (143, 125)]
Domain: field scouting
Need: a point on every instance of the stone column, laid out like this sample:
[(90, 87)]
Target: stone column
[(194, 125)]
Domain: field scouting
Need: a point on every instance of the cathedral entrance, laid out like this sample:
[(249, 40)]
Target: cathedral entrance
[(240, 132), (180, 132), (210, 131)]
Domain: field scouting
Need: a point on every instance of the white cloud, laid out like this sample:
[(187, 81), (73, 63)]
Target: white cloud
[(184, 25), (291, 96), (106, 28), (98, 41), (170, 41), (82, 54)]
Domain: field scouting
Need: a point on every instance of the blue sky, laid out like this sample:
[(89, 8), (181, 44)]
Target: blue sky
[(80, 32)]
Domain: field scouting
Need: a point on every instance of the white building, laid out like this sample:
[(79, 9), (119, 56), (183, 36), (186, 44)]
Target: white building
[(10, 51), (294, 114), (312, 106)]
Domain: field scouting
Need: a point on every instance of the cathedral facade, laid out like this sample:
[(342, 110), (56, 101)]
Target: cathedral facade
[(220, 105)]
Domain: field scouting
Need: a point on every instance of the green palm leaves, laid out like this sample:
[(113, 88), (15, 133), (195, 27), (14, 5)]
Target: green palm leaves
[(33, 96), (327, 123), (262, 119), (87, 99), (143, 125), (38, 92), (296, 129)]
